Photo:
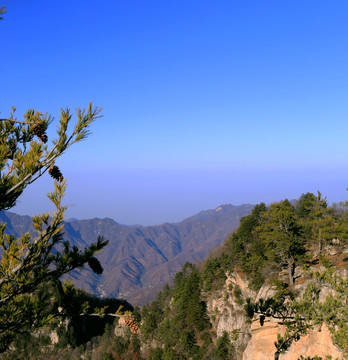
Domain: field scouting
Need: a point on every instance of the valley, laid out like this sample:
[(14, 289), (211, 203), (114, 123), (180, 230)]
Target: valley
[(140, 260)]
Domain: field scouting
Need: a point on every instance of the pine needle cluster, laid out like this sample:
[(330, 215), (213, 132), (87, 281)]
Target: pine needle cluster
[(29, 262)]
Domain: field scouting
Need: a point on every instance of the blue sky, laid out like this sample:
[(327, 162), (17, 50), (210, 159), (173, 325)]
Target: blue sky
[(204, 102)]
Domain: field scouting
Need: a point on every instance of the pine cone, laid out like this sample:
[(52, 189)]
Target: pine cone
[(132, 324), (55, 173), (94, 264), (39, 131)]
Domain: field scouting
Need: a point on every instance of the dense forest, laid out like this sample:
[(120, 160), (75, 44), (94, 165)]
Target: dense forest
[(281, 246)]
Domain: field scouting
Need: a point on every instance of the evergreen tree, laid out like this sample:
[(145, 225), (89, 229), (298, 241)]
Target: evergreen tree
[(281, 233), (241, 240), (28, 263), (224, 349), (317, 218)]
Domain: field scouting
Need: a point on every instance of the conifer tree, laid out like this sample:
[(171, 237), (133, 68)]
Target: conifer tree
[(28, 263), (281, 232), (317, 218)]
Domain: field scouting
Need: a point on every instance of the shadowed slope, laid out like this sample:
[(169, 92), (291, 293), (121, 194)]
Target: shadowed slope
[(139, 260)]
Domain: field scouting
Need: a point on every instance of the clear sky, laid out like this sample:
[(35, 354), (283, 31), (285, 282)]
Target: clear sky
[(204, 102)]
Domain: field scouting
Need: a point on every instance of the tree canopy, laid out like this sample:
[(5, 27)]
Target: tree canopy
[(282, 235)]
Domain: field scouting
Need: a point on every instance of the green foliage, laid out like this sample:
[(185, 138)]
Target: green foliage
[(170, 354), (188, 341), (85, 321), (269, 240), (177, 323), (30, 347), (302, 314), (281, 233), (242, 250), (178, 316), (28, 263), (187, 299), (152, 315), (238, 244), (24, 155), (317, 218), (341, 224), (237, 292), (250, 222), (266, 241), (155, 354), (73, 328), (234, 334), (333, 310), (151, 318), (324, 261), (213, 275), (224, 349), (306, 204), (275, 306), (78, 337)]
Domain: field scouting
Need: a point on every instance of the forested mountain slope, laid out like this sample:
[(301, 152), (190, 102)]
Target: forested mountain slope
[(275, 290), (140, 260)]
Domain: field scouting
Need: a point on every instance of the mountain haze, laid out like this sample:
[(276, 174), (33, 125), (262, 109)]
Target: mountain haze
[(139, 260)]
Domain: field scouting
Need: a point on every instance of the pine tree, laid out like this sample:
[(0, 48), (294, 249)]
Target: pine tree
[(28, 263), (281, 232), (317, 218)]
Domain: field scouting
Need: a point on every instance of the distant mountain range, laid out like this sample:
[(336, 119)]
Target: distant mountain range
[(139, 260)]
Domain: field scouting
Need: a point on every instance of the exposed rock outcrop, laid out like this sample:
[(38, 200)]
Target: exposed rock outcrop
[(226, 311), (261, 345)]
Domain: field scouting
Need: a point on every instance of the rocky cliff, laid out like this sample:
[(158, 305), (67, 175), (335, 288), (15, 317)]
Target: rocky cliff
[(255, 341)]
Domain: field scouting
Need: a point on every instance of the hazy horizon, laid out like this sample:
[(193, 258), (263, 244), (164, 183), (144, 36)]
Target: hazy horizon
[(173, 199)]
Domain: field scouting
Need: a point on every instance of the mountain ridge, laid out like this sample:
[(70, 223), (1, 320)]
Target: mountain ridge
[(140, 260)]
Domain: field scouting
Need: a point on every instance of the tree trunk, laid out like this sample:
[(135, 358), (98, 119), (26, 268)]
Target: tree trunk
[(320, 245), (291, 270)]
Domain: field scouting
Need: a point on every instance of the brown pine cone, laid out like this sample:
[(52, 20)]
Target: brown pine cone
[(55, 173), (94, 264), (132, 324), (39, 131)]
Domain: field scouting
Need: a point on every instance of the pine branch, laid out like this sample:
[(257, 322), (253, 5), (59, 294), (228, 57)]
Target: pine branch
[(2, 11), (19, 122)]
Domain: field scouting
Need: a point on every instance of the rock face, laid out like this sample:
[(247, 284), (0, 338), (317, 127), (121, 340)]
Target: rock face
[(261, 345), (256, 342), (318, 342), (226, 311)]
